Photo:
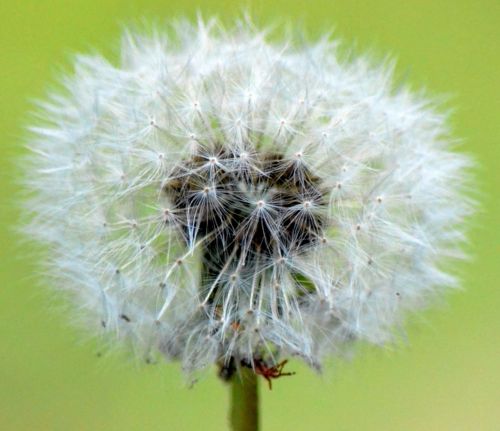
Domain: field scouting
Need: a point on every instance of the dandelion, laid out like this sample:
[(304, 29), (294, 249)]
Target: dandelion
[(220, 199)]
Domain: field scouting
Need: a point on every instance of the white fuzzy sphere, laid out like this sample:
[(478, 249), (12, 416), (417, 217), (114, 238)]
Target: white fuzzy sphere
[(145, 174)]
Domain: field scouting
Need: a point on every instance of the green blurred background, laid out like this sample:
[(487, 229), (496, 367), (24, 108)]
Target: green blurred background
[(446, 378)]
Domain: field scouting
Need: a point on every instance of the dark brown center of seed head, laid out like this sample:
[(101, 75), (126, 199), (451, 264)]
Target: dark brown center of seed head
[(257, 206)]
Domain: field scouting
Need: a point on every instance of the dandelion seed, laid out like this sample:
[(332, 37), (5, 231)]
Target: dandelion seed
[(261, 200)]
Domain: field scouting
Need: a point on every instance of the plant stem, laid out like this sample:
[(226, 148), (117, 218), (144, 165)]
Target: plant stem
[(244, 414)]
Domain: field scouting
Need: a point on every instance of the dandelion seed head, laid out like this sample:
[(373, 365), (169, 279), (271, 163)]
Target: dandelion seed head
[(218, 196)]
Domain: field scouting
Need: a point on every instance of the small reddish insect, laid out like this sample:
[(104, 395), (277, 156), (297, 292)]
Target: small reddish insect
[(270, 373)]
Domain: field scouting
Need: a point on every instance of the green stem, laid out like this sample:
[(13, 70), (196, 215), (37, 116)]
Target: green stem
[(244, 414)]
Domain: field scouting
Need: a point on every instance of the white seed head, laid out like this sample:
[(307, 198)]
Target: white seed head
[(217, 196)]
